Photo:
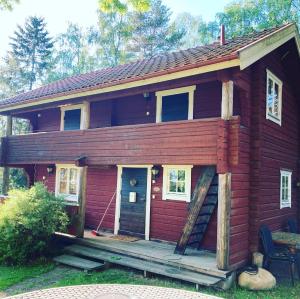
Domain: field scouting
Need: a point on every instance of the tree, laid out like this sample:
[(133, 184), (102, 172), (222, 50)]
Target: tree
[(74, 53), (8, 4), (111, 36), (32, 49), (123, 6), (244, 16), (197, 31), (152, 32)]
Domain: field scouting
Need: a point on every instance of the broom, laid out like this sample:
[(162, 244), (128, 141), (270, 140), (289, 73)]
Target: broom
[(96, 232)]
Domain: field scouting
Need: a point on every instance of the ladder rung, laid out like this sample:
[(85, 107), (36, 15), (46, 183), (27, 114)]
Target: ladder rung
[(193, 242), (196, 233), (201, 223), (204, 214)]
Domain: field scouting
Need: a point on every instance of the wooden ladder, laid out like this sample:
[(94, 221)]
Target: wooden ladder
[(204, 200)]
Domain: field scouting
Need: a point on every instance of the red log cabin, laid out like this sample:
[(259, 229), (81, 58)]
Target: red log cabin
[(197, 147)]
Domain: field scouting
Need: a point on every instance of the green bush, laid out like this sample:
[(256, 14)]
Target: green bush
[(28, 220)]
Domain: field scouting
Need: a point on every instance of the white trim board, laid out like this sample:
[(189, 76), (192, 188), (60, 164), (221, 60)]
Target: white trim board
[(148, 198), (258, 49)]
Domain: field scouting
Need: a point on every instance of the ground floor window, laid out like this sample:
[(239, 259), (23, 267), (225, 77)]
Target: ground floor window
[(285, 189), (177, 182), (67, 182)]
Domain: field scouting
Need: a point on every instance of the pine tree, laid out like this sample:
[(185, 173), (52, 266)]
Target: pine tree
[(32, 48), (153, 32)]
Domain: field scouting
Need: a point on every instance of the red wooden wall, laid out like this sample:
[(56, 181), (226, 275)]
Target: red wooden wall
[(130, 110), (167, 216), (274, 147)]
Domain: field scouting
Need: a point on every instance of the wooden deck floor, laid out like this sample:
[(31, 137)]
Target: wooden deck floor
[(195, 260)]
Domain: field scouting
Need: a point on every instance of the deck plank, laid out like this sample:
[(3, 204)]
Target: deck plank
[(78, 262), (198, 261), (136, 263)]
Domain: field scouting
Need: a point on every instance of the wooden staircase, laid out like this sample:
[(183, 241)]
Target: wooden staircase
[(204, 201)]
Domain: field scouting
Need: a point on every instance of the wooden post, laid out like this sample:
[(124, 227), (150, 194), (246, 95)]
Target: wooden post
[(82, 200), (5, 182), (223, 227), (224, 188), (227, 100)]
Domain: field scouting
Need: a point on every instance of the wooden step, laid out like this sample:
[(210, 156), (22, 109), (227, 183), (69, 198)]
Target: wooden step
[(143, 265), (78, 262)]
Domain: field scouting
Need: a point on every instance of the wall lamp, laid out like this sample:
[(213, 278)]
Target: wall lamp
[(155, 172), (50, 169)]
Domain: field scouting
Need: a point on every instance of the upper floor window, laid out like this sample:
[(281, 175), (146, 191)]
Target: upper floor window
[(285, 189), (177, 182), (67, 182), (175, 104), (74, 117), (273, 98)]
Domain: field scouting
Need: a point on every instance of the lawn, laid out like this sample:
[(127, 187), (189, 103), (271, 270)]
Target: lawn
[(12, 275)]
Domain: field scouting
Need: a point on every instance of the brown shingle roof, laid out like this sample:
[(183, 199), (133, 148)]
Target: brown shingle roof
[(147, 68)]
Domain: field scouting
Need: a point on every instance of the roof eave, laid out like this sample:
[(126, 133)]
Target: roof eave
[(171, 74), (258, 49)]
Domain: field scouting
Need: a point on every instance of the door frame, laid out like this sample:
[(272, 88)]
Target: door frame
[(148, 198)]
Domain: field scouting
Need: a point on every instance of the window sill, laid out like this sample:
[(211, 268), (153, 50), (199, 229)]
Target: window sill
[(172, 197), (274, 119), (71, 203)]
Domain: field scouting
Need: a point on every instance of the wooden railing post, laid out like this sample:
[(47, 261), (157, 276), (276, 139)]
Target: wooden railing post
[(224, 189), (5, 181), (82, 200)]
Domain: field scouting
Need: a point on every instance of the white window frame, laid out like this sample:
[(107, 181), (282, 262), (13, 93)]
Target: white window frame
[(188, 180), (84, 115), (269, 115), (160, 94), (69, 198), (288, 203)]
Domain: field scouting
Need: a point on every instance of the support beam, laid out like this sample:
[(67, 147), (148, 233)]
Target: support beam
[(5, 182), (224, 188), (82, 200), (223, 227), (227, 100)]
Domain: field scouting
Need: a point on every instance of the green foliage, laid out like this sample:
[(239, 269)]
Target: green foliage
[(32, 48), (10, 276), (111, 37), (244, 16), (111, 6), (74, 53), (8, 4), (197, 31), (17, 178), (152, 32), (27, 221)]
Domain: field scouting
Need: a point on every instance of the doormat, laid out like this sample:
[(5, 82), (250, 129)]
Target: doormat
[(125, 238)]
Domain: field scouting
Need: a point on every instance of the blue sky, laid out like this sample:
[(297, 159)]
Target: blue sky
[(59, 12)]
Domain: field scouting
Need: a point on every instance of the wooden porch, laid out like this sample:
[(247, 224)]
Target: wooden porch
[(198, 267)]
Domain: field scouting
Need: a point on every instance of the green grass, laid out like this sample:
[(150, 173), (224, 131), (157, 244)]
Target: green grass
[(12, 275), (129, 277)]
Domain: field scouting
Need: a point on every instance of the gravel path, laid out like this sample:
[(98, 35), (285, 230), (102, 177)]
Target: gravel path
[(42, 281)]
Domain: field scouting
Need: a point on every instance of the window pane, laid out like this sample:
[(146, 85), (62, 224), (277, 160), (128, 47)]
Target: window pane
[(72, 119), (276, 101), (172, 187), (173, 175), (181, 175), (63, 176), (181, 187), (73, 181), (175, 107)]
